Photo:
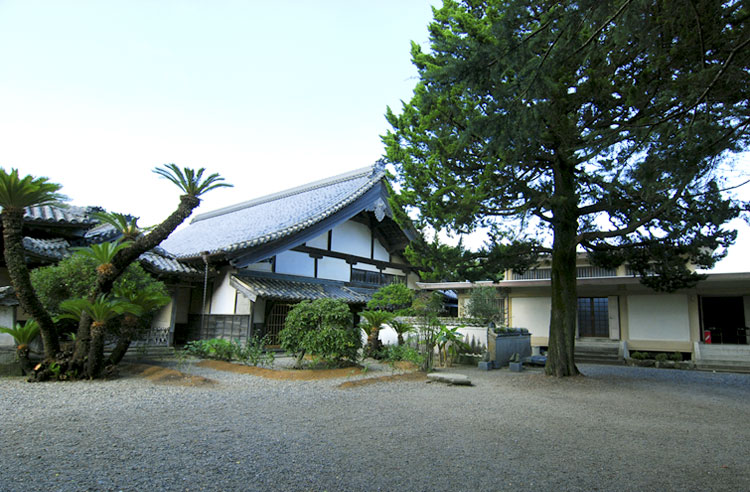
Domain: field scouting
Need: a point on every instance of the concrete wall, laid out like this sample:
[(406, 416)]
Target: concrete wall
[(659, 317)]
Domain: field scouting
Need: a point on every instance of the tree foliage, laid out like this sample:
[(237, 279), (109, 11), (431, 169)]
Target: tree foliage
[(483, 304), (588, 125), (323, 328), (396, 298)]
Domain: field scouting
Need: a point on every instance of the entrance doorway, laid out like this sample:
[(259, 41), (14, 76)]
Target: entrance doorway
[(593, 317), (724, 319)]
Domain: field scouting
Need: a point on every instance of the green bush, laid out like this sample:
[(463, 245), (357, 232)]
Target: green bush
[(676, 356), (323, 328), (397, 353), (484, 304), (639, 355), (254, 352), (215, 348), (662, 357)]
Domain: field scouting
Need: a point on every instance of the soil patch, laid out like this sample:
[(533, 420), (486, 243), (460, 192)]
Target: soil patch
[(163, 375), (284, 374), (409, 376)]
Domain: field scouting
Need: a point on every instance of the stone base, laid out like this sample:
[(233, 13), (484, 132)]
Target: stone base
[(446, 377), (515, 366)]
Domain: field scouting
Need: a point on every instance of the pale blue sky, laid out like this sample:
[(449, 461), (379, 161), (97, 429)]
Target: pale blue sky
[(95, 94)]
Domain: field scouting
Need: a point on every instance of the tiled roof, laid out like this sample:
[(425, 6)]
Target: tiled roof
[(53, 249), (272, 217), (8, 296), (291, 288), (162, 263), (68, 215)]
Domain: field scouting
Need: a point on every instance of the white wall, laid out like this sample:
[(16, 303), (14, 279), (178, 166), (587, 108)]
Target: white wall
[(532, 313), (222, 301), (295, 263), (334, 269), (658, 317), (320, 242), (352, 238), (379, 252), (261, 266)]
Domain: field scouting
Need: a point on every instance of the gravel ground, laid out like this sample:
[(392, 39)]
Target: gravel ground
[(619, 428)]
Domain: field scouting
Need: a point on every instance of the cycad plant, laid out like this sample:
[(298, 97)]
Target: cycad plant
[(191, 182), (103, 254), (401, 328), (124, 224), (16, 194), (101, 311), (23, 336), (373, 322)]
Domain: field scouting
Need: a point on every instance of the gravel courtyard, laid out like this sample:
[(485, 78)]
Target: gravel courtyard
[(618, 428)]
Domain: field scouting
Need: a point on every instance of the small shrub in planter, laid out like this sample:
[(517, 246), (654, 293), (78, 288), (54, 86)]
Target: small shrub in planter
[(661, 357), (676, 356), (639, 355)]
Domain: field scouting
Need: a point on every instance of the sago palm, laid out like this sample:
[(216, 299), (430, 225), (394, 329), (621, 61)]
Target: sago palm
[(103, 254), (17, 193), (23, 334), (374, 321), (124, 224), (401, 328), (191, 182), (101, 310)]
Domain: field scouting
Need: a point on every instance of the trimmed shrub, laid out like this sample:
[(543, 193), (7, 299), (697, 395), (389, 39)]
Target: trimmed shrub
[(323, 328)]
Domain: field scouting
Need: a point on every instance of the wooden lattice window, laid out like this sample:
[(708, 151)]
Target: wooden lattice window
[(275, 320)]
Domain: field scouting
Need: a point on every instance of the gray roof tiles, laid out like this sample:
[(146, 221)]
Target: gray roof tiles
[(290, 288), (51, 214), (54, 249), (273, 217), (159, 263)]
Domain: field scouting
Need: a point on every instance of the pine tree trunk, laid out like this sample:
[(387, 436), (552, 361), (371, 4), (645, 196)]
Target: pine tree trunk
[(562, 329), (15, 261)]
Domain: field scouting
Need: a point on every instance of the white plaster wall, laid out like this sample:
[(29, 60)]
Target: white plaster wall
[(243, 306), (320, 242), (222, 300), (7, 319), (352, 238), (334, 269), (295, 263), (380, 253), (163, 317), (659, 317), (532, 313)]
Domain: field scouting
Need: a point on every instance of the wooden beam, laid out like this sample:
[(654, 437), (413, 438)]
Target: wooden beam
[(351, 259)]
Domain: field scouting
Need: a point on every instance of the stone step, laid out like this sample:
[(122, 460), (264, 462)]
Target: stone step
[(723, 366)]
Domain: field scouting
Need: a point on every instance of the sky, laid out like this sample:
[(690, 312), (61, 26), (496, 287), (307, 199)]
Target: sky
[(95, 94)]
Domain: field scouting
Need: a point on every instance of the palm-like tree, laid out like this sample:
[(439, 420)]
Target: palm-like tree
[(23, 335), (401, 328), (124, 224), (193, 185), (374, 321), (103, 254), (101, 311), (148, 302), (17, 193), (191, 182)]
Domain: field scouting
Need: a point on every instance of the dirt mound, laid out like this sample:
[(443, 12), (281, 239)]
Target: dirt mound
[(284, 374), (163, 375)]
